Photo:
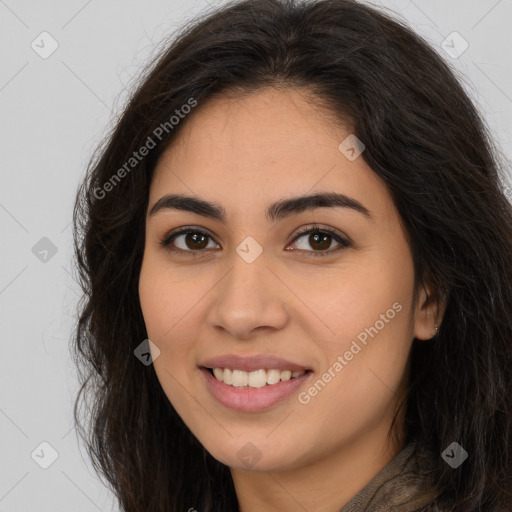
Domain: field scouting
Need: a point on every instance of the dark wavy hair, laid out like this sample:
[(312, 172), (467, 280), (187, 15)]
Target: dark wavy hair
[(424, 138)]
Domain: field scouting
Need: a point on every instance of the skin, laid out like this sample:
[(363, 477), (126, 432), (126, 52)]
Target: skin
[(287, 302)]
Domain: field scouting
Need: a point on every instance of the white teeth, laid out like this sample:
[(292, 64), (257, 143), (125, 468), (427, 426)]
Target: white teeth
[(240, 378), (228, 376), (258, 379), (286, 375), (273, 376), (254, 379)]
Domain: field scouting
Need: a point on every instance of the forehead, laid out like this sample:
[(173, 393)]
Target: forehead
[(248, 151)]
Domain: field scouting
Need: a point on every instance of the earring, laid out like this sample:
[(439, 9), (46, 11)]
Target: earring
[(436, 327)]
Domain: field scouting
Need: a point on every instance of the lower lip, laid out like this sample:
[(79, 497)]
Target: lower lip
[(252, 399)]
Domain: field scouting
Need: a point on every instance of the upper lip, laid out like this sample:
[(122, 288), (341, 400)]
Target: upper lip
[(252, 363)]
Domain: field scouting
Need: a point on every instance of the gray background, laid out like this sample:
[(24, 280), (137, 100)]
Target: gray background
[(54, 111)]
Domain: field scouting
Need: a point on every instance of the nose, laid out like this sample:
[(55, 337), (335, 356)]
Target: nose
[(249, 298)]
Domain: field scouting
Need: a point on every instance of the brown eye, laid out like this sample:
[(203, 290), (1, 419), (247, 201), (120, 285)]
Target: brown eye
[(187, 240), (320, 241), (195, 240)]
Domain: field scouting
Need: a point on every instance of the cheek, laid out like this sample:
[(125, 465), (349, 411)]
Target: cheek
[(169, 305), (357, 299), (163, 299), (160, 309), (152, 300), (361, 380), (162, 314), (371, 316)]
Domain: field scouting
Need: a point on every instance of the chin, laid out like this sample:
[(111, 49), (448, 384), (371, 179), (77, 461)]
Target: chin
[(250, 456)]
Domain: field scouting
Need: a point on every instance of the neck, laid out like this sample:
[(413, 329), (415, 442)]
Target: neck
[(324, 484)]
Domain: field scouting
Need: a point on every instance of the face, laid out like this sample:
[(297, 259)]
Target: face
[(321, 287)]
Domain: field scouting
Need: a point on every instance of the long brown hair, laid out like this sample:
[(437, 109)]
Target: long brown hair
[(423, 137)]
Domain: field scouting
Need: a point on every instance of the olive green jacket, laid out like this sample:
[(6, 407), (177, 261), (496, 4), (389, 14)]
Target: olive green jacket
[(398, 487)]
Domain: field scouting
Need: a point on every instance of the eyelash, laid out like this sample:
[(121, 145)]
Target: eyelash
[(166, 241)]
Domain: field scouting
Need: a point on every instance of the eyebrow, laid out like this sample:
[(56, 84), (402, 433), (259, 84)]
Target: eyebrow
[(275, 212)]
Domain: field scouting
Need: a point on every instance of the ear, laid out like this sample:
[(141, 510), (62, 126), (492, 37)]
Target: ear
[(430, 309)]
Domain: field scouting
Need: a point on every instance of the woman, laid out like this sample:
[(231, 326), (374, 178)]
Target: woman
[(295, 251)]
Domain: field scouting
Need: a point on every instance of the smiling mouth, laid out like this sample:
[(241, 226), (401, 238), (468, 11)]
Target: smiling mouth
[(254, 379)]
